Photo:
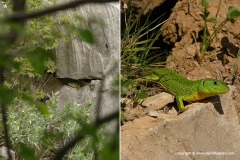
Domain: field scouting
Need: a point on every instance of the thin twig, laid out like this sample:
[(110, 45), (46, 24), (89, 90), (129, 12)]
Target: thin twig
[(60, 7)]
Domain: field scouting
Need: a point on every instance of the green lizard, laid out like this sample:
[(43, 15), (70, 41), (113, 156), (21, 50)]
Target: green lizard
[(184, 89)]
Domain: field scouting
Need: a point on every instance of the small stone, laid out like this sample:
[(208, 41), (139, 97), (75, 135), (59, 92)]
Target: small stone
[(153, 114), (158, 101)]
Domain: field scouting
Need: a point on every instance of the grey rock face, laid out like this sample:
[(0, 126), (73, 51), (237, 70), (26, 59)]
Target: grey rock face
[(80, 96), (205, 132), (100, 93), (105, 88), (78, 59), (98, 62)]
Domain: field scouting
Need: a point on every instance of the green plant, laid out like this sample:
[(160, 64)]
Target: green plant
[(207, 38), (138, 38), (26, 80), (137, 49), (129, 89), (46, 133)]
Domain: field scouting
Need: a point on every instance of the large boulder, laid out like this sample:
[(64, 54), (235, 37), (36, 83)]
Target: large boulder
[(205, 131)]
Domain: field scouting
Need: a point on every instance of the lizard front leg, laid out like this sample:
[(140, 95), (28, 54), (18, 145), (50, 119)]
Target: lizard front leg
[(181, 107), (180, 103)]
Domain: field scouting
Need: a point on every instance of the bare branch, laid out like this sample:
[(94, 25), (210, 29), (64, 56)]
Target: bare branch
[(72, 4)]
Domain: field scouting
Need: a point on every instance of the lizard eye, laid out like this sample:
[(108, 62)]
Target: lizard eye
[(215, 83)]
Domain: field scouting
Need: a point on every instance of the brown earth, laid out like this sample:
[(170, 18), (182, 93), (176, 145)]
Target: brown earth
[(183, 30)]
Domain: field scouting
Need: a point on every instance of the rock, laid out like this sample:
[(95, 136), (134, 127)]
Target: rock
[(126, 102), (148, 106), (98, 62), (153, 114), (78, 59), (158, 101), (205, 131), (88, 93), (100, 93), (110, 87), (132, 112)]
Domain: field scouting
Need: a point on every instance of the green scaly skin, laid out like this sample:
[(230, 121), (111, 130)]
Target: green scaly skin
[(184, 89)]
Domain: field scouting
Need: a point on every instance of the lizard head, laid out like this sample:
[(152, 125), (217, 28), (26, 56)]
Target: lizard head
[(212, 87)]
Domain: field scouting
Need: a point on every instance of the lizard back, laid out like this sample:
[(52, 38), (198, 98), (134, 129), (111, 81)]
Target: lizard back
[(173, 82)]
